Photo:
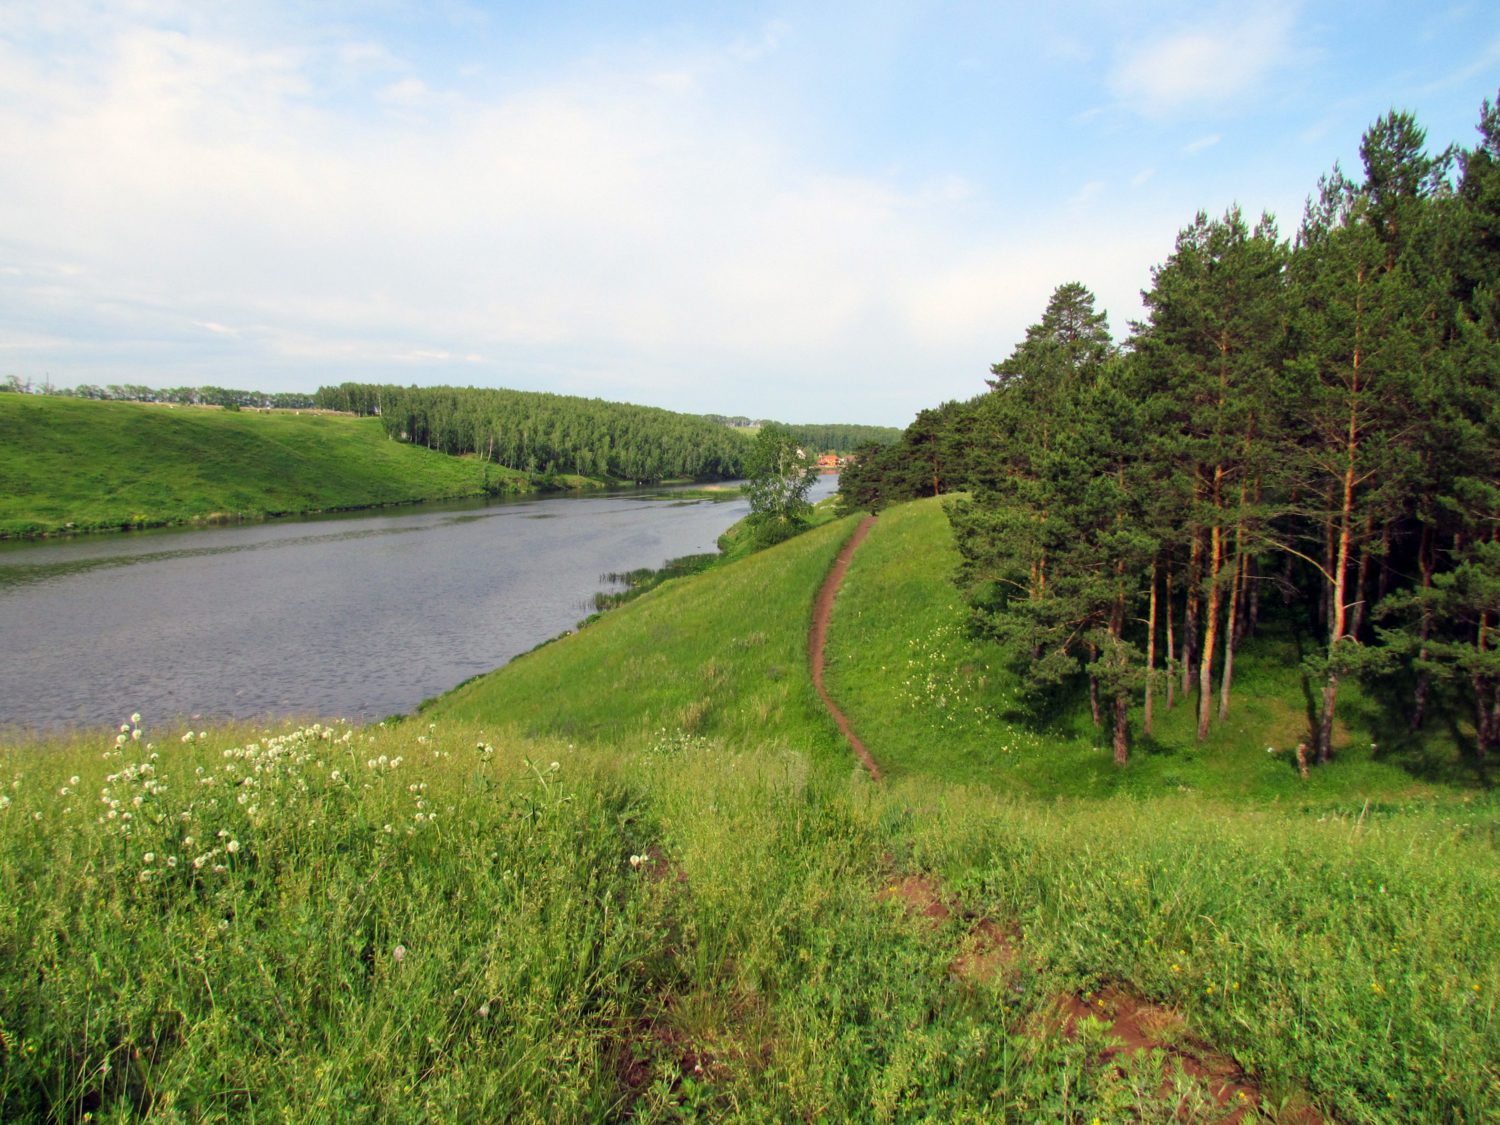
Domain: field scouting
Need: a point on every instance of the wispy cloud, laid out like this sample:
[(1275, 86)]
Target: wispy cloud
[(1203, 66), (1201, 143)]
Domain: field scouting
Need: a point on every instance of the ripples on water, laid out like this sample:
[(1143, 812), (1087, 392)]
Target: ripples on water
[(360, 615)]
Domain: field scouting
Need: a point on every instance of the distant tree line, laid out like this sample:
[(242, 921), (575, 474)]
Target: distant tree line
[(134, 392), (1316, 420), (818, 439), (547, 433)]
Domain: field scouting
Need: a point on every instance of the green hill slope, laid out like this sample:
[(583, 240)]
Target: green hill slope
[(81, 464), (720, 654), (928, 700)]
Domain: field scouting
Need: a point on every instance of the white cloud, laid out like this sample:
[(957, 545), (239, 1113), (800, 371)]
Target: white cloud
[(1201, 143), (1204, 66), (607, 232)]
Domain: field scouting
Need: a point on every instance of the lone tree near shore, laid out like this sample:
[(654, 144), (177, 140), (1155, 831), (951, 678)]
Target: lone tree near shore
[(781, 474)]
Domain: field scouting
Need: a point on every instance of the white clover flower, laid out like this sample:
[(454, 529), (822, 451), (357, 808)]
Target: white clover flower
[(36, 816), (171, 861), (136, 734), (119, 740), (219, 869), (635, 861), (399, 953), (223, 924), (187, 737), (371, 763), (124, 728), (387, 827), (199, 861), (73, 780), (188, 841), (149, 857), (136, 717), (137, 801), (484, 1010), (382, 759), (232, 847)]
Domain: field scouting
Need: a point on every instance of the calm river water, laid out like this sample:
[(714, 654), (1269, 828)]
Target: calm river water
[(359, 615)]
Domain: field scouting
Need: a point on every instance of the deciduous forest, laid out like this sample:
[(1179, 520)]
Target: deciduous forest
[(1303, 427)]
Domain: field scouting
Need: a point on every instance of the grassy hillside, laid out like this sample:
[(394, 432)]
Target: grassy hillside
[(442, 922), (722, 654), (81, 465), (938, 704)]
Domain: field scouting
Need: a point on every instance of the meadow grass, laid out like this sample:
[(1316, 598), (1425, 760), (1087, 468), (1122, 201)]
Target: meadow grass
[(77, 464), (929, 700), (720, 653), (436, 922)]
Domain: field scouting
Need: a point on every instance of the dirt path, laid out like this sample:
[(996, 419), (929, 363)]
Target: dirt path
[(822, 614)]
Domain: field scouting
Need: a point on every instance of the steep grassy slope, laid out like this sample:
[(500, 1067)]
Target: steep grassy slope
[(929, 701), (723, 654), (80, 464)]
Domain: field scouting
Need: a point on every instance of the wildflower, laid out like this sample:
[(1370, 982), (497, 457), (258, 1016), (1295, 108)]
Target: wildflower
[(232, 847), (136, 734), (119, 740), (635, 861), (223, 924), (387, 828), (484, 1010), (171, 861), (149, 857), (188, 737), (399, 953), (136, 717), (73, 780), (36, 816), (219, 869), (124, 728)]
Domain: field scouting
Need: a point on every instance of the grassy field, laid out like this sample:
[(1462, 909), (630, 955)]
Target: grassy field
[(448, 922), (939, 704), (79, 465), (636, 876)]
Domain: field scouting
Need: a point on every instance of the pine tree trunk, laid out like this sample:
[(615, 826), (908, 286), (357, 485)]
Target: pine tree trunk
[(1210, 632), (1122, 729), (1150, 657), (1361, 605), (1231, 639), (1094, 687), (1171, 679), (1190, 615), (1337, 618)]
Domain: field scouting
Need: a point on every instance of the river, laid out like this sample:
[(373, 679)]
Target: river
[(359, 615)]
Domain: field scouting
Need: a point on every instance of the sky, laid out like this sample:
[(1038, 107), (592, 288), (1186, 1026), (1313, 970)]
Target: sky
[(841, 212)]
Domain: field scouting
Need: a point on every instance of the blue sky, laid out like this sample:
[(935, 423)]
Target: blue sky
[(839, 212)]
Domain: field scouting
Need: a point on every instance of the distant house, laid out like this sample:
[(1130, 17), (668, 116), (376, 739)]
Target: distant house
[(830, 461)]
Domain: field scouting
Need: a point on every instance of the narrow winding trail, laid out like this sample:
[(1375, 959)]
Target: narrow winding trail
[(818, 637), (991, 951)]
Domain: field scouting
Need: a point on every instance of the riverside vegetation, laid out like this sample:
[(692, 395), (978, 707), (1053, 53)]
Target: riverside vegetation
[(632, 876), (72, 464)]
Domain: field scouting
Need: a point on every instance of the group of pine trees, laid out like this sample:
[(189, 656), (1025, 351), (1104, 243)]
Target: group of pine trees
[(547, 433), (1315, 420)]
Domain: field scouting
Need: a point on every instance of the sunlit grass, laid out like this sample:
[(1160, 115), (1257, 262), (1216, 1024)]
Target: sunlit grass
[(686, 931)]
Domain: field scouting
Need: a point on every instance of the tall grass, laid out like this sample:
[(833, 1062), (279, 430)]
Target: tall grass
[(458, 932)]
